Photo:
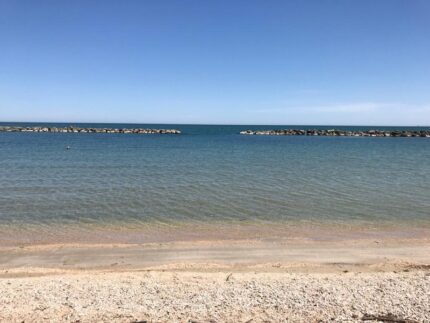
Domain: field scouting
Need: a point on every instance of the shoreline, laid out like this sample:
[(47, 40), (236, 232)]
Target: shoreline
[(193, 232), (247, 272), (286, 255), (217, 281)]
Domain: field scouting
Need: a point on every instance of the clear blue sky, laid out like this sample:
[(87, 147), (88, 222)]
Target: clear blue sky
[(234, 62)]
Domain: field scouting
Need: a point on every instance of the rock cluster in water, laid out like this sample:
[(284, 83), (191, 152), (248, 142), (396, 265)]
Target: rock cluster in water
[(72, 129), (334, 132)]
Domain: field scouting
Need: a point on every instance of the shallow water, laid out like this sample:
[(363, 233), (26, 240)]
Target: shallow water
[(208, 175)]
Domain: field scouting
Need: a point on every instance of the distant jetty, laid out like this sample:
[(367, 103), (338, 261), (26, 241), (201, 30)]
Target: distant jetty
[(339, 133), (72, 129)]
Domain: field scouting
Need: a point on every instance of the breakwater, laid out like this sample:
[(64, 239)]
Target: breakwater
[(72, 129), (335, 132)]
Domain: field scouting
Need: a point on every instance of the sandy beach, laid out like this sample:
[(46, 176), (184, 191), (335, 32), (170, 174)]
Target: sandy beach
[(214, 161), (218, 281)]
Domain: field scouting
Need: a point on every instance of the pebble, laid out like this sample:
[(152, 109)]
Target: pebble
[(180, 297)]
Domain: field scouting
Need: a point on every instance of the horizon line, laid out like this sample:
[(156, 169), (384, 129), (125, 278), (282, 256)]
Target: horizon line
[(219, 124)]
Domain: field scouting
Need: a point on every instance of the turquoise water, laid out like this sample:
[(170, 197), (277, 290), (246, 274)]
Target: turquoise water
[(208, 174)]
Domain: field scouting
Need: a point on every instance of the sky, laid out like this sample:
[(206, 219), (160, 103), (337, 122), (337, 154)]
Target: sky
[(321, 62)]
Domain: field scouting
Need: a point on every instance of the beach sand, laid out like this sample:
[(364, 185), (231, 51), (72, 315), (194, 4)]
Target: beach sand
[(217, 281)]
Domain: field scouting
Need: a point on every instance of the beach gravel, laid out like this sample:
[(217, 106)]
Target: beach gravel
[(186, 296)]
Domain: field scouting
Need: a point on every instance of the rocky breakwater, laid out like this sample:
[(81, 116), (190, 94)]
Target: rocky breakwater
[(72, 129), (334, 132)]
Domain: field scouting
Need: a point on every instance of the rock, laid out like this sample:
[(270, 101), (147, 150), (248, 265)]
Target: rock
[(343, 133), (88, 130)]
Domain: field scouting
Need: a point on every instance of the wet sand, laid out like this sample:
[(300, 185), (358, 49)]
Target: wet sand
[(217, 281), (123, 232), (294, 254)]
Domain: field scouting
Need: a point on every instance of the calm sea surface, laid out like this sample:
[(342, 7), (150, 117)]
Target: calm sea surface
[(208, 177)]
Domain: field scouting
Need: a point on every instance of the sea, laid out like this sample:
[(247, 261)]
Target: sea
[(210, 182)]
